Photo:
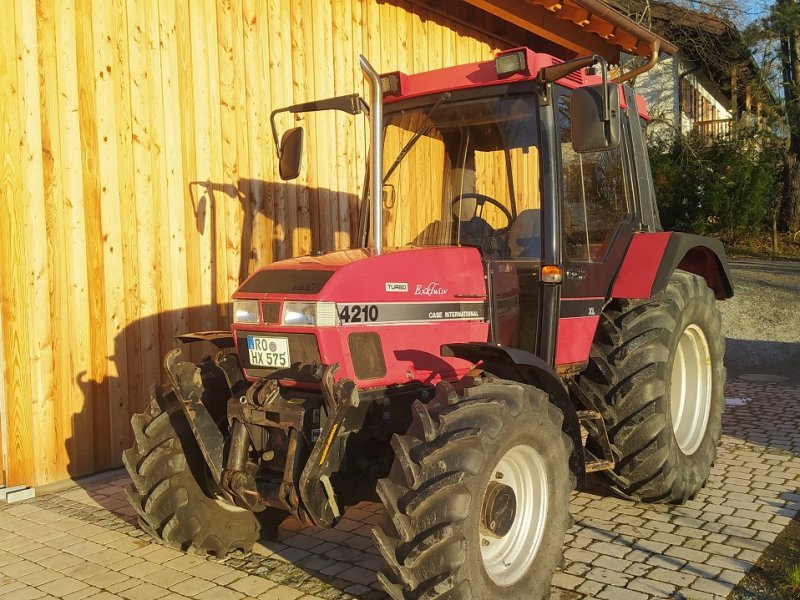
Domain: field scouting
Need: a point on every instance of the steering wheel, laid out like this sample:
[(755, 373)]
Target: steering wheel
[(480, 200)]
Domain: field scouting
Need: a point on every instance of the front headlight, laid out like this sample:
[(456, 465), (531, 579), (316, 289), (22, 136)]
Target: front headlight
[(245, 311), (299, 313), (309, 313)]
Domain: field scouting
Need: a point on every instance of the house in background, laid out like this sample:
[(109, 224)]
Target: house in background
[(709, 84)]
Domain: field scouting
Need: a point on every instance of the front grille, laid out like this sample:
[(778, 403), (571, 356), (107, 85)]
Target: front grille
[(271, 312)]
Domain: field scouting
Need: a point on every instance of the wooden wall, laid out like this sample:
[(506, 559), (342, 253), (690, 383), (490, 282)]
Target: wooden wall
[(138, 184)]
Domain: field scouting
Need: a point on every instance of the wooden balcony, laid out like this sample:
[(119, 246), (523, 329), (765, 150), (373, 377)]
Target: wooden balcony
[(712, 128)]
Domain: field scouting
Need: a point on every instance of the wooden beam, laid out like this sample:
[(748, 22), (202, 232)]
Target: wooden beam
[(544, 24)]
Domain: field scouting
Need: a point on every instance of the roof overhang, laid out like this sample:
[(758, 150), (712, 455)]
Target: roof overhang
[(582, 26)]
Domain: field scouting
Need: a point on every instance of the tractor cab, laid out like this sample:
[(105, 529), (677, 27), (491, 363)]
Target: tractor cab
[(536, 163)]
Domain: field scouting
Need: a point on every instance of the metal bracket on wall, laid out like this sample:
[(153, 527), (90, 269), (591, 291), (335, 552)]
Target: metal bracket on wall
[(16, 493)]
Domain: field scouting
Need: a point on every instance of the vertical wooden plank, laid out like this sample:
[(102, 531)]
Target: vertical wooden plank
[(254, 217), (161, 270), (449, 42), (315, 163), (325, 173), (228, 204), (301, 236), (3, 405), (341, 11), (96, 379), (359, 156), (130, 334), (280, 70), (140, 76), (14, 262), (267, 169), (175, 195), (200, 225), (39, 318), (216, 294), (104, 34), (55, 418), (78, 402), (402, 54), (240, 225), (185, 94)]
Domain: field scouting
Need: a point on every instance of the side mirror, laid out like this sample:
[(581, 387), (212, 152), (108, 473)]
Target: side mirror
[(291, 153), (590, 132)]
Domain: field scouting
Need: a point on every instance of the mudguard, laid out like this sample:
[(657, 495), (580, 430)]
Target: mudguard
[(525, 367), (652, 257)]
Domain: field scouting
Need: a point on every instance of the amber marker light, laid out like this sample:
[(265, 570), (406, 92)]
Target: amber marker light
[(552, 274)]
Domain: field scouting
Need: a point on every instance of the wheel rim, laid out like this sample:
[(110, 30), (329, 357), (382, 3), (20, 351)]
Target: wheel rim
[(508, 551), (690, 389)]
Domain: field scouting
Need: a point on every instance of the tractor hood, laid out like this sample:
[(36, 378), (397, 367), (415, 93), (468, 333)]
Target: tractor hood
[(381, 317), (407, 274)]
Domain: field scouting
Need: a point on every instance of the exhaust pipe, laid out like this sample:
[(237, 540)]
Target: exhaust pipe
[(376, 150)]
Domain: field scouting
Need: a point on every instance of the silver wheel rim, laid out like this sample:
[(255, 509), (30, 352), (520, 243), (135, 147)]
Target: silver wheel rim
[(507, 558), (690, 389)]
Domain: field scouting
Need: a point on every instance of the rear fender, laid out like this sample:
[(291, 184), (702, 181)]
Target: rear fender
[(524, 367), (653, 257)]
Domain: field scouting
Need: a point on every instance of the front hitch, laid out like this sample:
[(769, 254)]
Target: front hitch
[(233, 477)]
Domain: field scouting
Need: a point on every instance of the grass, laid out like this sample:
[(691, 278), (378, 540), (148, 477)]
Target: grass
[(776, 574), (791, 579), (760, 246)]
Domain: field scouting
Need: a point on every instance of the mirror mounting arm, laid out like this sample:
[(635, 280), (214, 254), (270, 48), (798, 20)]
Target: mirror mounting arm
[(352, 104), (555, 72)]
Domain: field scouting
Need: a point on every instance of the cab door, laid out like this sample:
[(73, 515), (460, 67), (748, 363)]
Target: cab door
[(598, 210)]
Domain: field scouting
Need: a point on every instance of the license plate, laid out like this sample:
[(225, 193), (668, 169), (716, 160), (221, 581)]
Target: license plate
[(272, 352)]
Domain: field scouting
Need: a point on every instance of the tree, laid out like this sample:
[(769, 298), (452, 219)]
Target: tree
[(784, 20)]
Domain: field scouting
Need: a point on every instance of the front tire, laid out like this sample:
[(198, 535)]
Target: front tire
[(656, 373), (170, 490), (477, 499)]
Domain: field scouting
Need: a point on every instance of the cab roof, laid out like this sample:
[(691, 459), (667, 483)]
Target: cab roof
[(484, 73)]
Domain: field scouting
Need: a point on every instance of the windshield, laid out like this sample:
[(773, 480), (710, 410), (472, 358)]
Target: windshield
[(471, 177)]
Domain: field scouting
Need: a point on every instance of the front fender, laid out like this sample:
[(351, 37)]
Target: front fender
[(524, 367), (653, 257)]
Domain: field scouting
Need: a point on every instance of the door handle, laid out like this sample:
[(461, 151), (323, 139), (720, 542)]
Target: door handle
[(576, 273)]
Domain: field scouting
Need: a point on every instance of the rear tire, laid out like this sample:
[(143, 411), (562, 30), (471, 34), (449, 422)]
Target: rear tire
[(477, 499), (169, 488), (656, 373)]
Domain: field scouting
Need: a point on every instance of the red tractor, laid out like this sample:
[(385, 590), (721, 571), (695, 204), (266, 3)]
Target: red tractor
[(513, 318)]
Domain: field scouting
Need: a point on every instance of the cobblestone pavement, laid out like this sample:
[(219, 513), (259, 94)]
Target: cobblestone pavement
[(83, 542)]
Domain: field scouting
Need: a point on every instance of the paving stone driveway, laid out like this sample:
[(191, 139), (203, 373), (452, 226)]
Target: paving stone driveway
[(83, 543)]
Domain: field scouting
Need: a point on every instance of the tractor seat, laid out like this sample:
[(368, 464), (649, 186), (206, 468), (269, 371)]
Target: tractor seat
[(477, 232), (525, 235)]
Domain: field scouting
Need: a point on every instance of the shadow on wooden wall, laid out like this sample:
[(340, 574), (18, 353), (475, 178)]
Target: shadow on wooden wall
[(101, 429)]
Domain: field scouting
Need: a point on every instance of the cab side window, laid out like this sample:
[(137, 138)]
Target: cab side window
[(595, 194)]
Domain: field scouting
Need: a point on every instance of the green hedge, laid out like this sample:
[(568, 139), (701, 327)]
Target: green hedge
[(726, 187)]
